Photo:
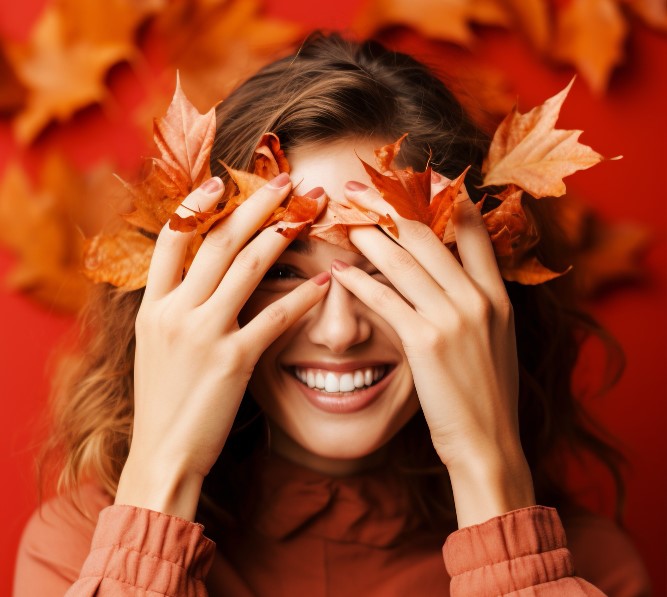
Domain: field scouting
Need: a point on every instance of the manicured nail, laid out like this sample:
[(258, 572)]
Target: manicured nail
[(339, 265), (280, 181), (322, 278), (355, 187), (315, 193), (212, 185)]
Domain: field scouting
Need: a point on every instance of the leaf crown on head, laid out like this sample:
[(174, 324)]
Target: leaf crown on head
[(527, 155)]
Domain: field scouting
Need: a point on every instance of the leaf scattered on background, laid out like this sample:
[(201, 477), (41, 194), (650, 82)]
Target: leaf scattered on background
[(39, 226), (14, 92), (215, 44), (528, 151), (64, 63), (652, 12), (447, 20), (532, 19), (590, 34)]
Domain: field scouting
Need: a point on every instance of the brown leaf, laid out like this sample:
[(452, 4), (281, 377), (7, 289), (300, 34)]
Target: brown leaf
[(120, 257), (184, 138), (64, 63), (38, 225), (448, 20), (409, 192), (590, 35), (529, 152)]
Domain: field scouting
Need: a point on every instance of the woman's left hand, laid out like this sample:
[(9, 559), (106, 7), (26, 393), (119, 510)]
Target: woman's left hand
[(456, 325)]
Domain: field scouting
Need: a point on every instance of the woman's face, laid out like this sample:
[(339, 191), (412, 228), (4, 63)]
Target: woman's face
[(340, 341)]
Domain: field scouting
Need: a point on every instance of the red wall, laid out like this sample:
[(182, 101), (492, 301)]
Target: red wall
[(629, 120)]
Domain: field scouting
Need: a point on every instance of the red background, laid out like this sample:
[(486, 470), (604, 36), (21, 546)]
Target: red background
[(629, 120)]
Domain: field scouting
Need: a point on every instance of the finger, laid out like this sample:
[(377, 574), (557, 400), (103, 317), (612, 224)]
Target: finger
[(226, 238), (165, 271), (401, 269), (249, 267), (417, 238), (380, 298), (438, 183), (272, 321), (475, 247)]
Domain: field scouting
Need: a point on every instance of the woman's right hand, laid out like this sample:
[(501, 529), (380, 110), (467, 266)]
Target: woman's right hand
[(192, 360)]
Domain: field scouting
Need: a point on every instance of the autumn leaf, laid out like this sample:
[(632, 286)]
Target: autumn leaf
[(38, 224), (184, 138), (652, 12), (14, 92), (590, 34), (529, 152), (448, 20), (409, 192), (532, 19), (215, 44), (64, 63)]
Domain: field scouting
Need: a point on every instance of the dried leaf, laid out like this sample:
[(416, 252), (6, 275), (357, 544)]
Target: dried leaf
[(184, 138), (590, 34), (71, 48), (532, 19), (409, 192), (652, 12), (529, 152)]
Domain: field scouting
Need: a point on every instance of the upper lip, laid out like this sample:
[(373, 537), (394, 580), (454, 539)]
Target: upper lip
[(347, 366)]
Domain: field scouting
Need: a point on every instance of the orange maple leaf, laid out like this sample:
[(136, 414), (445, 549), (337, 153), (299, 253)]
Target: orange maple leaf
[(42, 225), (529, 152), (448, 20), (71, 48), (590, 34)]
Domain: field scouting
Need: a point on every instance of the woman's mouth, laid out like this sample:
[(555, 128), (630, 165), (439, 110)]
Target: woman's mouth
[(341, 392), (334, 382)]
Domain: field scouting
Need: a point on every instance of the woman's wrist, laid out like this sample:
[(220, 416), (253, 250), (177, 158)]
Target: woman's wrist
[(488, 486), (159, 487)]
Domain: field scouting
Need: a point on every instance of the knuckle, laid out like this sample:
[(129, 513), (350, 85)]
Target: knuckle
[(382, 296), (250, 261), (419, 231), (402, 260), (277, 315), (220, 238), (479, 306)]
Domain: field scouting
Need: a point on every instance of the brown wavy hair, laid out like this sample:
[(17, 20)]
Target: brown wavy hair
[(335, 88)]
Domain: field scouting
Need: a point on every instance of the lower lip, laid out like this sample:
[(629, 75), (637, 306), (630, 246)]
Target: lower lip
[(351, 403)]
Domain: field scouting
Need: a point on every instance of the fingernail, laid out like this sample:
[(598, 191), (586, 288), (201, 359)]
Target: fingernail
[(355, 187), (280, 181), (212, 185), (315, 193), (322, 278), (339, 265)]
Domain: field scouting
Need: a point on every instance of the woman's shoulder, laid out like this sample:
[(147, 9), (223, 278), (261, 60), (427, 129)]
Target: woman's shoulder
[(605, 555), (56, 541)]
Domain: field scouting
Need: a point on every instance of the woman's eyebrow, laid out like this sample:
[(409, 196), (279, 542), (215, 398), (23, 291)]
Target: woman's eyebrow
[(301, 247)]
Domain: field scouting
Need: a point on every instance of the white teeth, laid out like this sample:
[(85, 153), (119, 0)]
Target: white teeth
[(333, 382), (359, 378), (346, 383)]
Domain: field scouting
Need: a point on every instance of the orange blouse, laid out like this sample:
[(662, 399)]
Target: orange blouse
[(304, 533)]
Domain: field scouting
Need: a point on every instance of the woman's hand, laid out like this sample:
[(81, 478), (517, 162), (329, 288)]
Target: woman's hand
[(457, 328), (192, 361)]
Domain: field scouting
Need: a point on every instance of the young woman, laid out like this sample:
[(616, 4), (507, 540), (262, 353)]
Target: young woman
[(330, 416)]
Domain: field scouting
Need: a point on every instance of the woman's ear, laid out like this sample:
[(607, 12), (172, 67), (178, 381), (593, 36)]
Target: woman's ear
[(269, 158)]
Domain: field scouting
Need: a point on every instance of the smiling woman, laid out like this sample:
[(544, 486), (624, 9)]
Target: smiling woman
[(330, 413)]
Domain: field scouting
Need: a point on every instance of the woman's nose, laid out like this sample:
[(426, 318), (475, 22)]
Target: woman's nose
[(339, 321)]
